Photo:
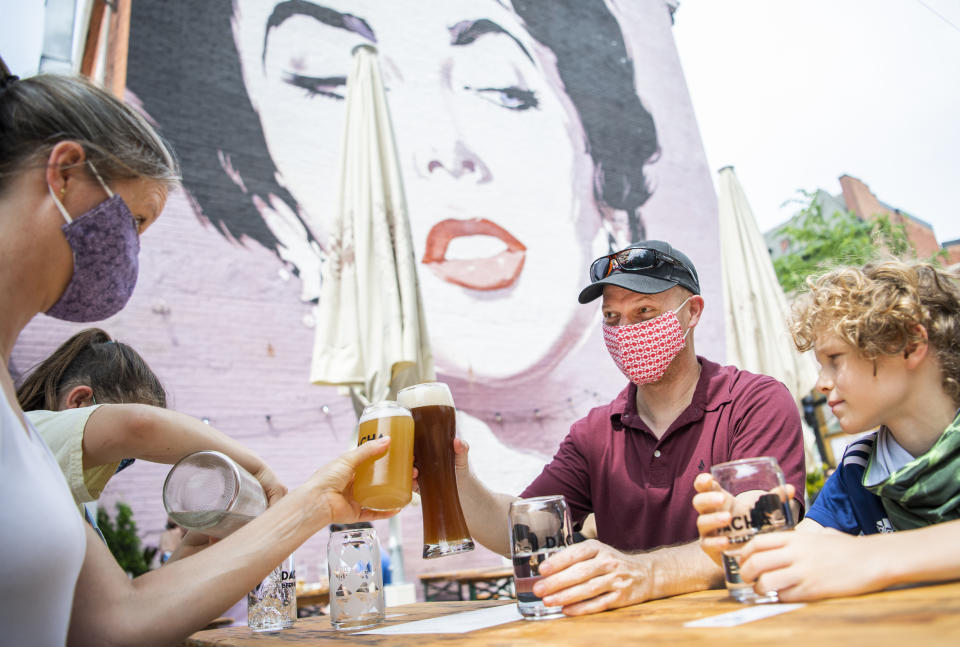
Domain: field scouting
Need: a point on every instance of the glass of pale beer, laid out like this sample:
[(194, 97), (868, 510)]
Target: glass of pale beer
[(435, 426), (386, 483)]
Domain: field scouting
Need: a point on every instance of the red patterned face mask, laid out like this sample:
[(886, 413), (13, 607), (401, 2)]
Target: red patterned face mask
[(644, 350)]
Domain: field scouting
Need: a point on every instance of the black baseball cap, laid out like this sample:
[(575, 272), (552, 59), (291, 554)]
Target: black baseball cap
[(667, 267)]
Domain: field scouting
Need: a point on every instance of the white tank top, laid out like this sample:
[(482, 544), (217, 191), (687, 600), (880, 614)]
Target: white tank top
[(42, 540)]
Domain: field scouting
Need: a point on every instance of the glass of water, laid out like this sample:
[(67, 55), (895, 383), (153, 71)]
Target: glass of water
[(356, 579), (761, 507), (539, 527), (272, 605)]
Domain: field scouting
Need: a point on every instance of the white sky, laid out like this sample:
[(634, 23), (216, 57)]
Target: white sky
[(795, 93)]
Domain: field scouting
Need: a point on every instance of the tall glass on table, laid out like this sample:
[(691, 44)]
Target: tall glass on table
[(445, 530), (539, 527), (761, 507)]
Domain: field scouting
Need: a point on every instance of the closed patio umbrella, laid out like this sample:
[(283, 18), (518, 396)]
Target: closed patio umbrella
[(370, 336), (755, 306)]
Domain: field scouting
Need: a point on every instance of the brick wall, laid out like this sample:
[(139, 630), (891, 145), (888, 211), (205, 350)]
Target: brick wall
[(861, 201)]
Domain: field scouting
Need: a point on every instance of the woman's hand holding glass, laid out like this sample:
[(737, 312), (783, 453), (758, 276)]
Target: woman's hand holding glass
[(333, 484)]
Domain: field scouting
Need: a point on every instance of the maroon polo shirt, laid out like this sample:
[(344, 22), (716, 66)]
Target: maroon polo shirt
[(641, 488)]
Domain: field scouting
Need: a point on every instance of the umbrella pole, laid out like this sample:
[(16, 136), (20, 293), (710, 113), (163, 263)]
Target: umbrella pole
[(395, 545)]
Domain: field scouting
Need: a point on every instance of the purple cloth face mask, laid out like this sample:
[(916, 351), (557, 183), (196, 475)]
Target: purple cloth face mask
[(105, 246)]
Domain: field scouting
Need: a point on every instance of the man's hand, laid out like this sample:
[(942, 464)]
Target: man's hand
[(811, 565), (590, 577), (715, 506), (460, 450)]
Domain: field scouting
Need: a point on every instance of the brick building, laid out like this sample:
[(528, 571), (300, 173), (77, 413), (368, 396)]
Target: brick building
[(855, 196)]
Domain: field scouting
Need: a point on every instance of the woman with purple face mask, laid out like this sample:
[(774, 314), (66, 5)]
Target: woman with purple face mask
[(82, 176)]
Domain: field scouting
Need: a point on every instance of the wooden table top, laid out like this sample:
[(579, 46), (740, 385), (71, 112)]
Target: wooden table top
[(928, 615)]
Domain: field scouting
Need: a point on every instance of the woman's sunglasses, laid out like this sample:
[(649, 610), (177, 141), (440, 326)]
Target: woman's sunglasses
[(634, 259)]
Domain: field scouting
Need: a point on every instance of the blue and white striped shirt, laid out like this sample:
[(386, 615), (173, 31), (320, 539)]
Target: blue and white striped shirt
[(843, 503)]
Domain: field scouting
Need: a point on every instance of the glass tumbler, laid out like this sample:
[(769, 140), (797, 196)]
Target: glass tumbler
[(207, 491), (356, 579), (760, 508), (272, 604), (539, 527)]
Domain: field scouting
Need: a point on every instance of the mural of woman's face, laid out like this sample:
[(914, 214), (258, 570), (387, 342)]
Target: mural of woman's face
[(497, 175)]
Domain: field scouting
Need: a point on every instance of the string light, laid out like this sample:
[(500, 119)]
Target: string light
[(339, 415)]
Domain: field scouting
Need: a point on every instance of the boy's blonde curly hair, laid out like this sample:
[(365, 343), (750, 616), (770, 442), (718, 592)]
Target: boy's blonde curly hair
[(877, 309)]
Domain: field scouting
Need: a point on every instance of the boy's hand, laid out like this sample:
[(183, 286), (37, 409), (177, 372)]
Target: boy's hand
[(716, 507), (804, 565)]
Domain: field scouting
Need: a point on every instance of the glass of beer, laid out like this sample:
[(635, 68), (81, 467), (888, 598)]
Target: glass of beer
[(444, 528), (386, 483), (761, 507)]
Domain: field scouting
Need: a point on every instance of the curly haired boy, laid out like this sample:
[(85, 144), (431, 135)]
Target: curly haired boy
[(887, 338)]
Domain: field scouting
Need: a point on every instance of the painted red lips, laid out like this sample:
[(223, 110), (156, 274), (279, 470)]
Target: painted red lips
[(489, 273)]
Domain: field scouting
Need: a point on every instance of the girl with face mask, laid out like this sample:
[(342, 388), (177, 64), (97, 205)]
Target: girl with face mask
[(81, 177)]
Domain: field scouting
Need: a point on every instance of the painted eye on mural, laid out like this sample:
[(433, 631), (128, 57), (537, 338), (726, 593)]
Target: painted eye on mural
[(512, 98), (316, 85)]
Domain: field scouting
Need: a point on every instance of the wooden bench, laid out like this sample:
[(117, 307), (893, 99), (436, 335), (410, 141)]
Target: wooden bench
[(492, 583)]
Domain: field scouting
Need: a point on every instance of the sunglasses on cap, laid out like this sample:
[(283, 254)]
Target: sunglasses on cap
[(634, 259)]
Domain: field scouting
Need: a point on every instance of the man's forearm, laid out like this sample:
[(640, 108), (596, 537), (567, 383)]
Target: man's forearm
[(682, 569), (485, 512)]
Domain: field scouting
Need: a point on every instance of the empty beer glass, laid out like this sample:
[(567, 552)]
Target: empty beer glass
[(208, 492), (386, 483), (763, 509), (435, 426), (539, 527), (356, 579)]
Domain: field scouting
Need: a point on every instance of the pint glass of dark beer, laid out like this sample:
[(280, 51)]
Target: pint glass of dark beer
[(434, 417)]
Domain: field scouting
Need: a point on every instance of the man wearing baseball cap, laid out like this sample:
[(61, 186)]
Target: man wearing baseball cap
[(633, 462)]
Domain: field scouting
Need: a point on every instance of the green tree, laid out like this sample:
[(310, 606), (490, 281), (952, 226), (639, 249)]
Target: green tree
[(122, 539), (821, 241)]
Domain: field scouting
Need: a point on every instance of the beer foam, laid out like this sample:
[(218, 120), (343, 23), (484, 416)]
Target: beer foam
[(425, 395), (385, 409)]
